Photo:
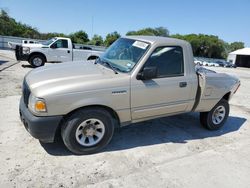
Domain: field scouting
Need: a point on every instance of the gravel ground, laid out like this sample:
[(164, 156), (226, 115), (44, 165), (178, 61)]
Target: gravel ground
[(11, 74), (168, 152)]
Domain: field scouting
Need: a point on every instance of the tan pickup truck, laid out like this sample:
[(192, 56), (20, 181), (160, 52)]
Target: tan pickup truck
[(138, 78)]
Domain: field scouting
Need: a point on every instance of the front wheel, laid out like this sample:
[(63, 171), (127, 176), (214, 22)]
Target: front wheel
[(88, 131), (215, 118), (37, 60)]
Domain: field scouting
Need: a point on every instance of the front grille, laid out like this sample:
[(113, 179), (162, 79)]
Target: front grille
[(26, 93)]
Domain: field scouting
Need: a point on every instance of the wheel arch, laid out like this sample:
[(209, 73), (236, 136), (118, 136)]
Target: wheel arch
[(93, 57), (227, 96), (110, 110), (37, 53)]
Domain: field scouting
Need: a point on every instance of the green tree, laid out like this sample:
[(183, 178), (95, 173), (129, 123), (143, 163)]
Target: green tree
[(205, 45), (158, 31), (236, 45), (80, 37), (9, 27), (96, 40), (111, 37), (46, 36)]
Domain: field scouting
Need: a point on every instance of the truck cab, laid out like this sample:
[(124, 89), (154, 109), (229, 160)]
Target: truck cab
[(60, 49)]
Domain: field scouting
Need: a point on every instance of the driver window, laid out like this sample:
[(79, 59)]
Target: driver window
[(61, 44), (168, 60)]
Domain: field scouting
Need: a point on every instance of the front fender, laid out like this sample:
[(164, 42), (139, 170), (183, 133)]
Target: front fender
[(37, 51)]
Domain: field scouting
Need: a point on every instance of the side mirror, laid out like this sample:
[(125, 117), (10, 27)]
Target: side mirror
[(147, 73)]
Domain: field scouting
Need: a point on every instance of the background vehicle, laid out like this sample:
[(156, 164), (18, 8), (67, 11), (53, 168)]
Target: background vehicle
[(206, 63), (229, 64), (137, 78), (214, 64), (57, 49), (220, 63), (197, 62), (211, 62), (12, 45)]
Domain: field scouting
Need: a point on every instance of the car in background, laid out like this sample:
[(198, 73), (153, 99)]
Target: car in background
[(13, 45), (197, 62), (30, 42), (205, 63), (211, 62), (219, 64), (214, 64), (229, 65), (58, 49)]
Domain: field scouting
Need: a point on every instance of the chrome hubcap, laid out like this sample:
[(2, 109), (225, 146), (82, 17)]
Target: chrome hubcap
[(37, 61), (90, 132), (218, 115)]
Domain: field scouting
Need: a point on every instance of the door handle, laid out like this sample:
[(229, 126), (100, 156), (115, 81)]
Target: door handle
[(68, 51), (183, 84)]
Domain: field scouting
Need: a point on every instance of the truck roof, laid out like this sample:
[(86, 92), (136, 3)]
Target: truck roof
[(62, 38), (157, 39)]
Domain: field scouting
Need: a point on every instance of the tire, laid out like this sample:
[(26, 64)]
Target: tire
[(37, 60), (88, 131), (215, 118)]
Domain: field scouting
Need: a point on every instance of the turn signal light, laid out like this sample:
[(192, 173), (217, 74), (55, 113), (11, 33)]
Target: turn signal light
[(40, 106)]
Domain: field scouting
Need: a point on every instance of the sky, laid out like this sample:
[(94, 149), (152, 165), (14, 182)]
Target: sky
[(228, 19)]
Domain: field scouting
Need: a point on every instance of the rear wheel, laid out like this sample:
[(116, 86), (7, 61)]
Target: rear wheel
[(88, 131), (215, 118), (37, 60)]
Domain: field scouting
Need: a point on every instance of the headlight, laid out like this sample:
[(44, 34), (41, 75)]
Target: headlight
[(37, 104), (26, 50)]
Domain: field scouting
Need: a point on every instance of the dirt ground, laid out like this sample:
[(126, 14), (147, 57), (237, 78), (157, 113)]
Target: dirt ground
[(168, 152)]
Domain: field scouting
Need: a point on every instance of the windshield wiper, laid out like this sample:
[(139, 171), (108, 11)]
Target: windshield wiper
[(109, 64)]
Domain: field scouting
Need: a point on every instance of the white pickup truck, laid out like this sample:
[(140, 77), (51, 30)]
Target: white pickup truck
[(57, 49)]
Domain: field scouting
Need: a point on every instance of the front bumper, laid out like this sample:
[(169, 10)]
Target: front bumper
[(42, 128), (19, 54)]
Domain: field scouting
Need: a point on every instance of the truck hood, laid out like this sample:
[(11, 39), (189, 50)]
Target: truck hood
[(69, 77)]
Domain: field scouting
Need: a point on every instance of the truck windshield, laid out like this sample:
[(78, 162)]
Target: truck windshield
[(124, 54), (48, 42)]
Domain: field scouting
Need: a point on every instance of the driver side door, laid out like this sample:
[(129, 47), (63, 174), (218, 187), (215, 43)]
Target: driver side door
[(60, 52), (168, 92)]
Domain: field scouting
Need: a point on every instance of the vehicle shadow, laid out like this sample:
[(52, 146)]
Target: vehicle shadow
[(175, 129), (26, 66)]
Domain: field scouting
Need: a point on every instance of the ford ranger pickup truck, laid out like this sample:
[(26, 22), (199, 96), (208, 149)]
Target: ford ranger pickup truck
[(138, 78), (57, 49)]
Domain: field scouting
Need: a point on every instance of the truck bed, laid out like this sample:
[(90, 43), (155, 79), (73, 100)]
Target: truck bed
[(210, 89)]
